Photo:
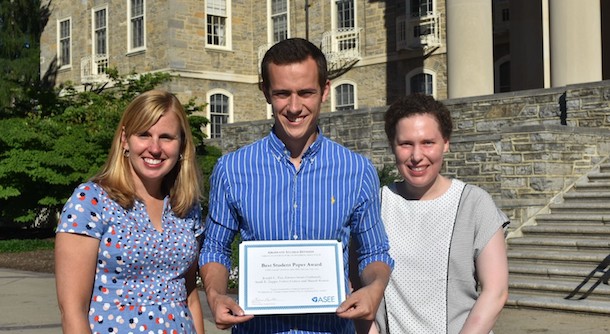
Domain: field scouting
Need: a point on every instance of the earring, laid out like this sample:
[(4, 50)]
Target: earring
[(126, 153), (181, 157)]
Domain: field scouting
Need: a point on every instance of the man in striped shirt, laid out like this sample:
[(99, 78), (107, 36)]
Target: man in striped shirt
[(295, 184)]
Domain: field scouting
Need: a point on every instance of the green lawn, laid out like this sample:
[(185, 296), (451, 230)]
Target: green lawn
[(25, 245)]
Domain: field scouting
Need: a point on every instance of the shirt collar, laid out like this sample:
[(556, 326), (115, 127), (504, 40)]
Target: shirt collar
[(279, 149)]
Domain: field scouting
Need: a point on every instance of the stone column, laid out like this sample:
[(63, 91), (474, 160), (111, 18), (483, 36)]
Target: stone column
[(469, 48), (575, 33)]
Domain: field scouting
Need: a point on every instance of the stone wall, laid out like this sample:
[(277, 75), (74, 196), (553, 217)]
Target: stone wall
[(524, 147)]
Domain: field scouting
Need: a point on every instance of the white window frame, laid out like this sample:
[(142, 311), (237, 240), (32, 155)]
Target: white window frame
[(208, 128), (60, 39), (421, 71), (269, 111), (333, 94), (335, 14), (342, 36), (130, 31), (227, 33), (270, 25), (100, 59), (411, 15)]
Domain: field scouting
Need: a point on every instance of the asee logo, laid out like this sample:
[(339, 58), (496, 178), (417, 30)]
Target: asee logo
[(323, 299)]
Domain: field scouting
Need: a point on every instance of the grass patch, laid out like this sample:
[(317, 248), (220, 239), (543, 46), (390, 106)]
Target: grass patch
[(25, 245)]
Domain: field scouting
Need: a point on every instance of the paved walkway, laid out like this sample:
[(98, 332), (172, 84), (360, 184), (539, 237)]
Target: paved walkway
[(28, 305)]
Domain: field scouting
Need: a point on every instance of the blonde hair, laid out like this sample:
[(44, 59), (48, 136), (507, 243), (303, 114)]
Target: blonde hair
[(182, 183)]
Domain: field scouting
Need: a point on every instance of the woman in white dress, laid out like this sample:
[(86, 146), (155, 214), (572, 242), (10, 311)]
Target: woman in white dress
[(447, 237)]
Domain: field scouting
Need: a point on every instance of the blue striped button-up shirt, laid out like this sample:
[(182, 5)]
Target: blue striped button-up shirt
[(258, 192)]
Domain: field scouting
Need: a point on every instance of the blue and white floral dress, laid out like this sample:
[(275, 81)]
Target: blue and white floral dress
[(139, 282)]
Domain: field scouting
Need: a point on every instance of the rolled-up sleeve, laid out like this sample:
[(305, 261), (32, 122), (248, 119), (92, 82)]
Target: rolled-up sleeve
[(368, 229), (221, 225)]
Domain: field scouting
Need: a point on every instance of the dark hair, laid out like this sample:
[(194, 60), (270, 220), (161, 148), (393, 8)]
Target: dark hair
[(290, 51), (417, 104)]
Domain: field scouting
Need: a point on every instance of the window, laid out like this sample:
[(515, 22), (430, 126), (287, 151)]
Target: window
[(421, 81), (345, 12), (99, 31), (218, 28), (505, 77), (421, 8), (346, 24), (65, 44), (423, 29), (219, 112), (344, 97), (279, 20), (136, 24), (502, 80), (100, 40), (505, 14)]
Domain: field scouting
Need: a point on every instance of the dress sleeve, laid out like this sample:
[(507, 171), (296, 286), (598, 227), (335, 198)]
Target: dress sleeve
[(82, 213), (488, 218), (369, 231)]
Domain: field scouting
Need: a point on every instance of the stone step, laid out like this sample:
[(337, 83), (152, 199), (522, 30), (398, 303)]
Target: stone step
[(559, 244), (543, 271), (592, 186), (590, 258), (558, 304), (604, 168), (576, 219), (587, 197), (566, 253), (591, 289), (561, 231), (598, 176), (581, 207)]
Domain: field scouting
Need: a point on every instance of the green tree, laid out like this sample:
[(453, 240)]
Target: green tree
[(46, 153), (21, 24)]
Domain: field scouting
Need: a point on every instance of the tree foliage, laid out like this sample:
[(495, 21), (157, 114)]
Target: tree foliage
[(50, 150), (21, 24)]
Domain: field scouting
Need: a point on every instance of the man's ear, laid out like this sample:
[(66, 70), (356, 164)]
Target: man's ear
[(267, 96), (325, 91)]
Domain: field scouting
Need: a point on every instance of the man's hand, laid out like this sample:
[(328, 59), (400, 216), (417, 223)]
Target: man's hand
[(361, 304), (364, 302), (226, 311)]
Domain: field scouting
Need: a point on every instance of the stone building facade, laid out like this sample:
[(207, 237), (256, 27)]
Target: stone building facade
[(212, 48), (522, 146), (377, 50)]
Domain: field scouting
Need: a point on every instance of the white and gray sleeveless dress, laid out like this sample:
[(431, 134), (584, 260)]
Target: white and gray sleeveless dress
[(435, 244)]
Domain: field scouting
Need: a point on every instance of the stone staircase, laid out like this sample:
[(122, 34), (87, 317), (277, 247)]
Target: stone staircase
[(560, 262)]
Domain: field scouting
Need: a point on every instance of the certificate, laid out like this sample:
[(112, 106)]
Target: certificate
[(291, 276)]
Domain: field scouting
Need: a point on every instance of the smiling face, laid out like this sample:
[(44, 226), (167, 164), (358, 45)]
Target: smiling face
[(154, 152), (296, 97), (418, 148)]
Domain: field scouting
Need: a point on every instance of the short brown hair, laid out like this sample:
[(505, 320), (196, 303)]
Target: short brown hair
[(417, 104), (290, 51)]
